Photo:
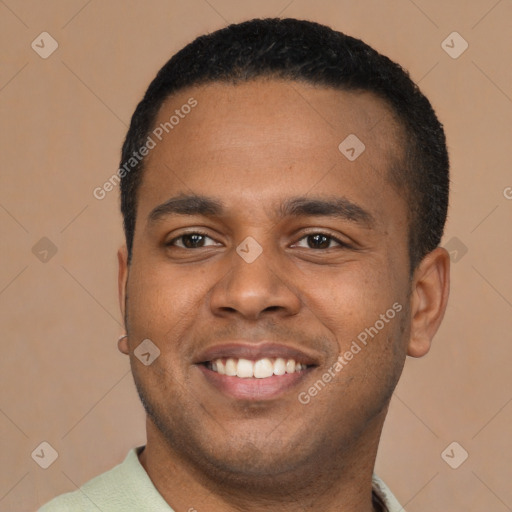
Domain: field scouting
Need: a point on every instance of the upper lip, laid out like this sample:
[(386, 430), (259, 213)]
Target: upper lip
[(255, 351)]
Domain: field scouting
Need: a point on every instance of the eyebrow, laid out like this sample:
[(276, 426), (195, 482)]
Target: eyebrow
[(338, 207), (301, 206), (187, 205)]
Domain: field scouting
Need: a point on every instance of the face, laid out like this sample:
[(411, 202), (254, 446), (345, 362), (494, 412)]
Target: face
[(260, 247)]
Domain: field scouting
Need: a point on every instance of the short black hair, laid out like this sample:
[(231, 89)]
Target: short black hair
[(305, 51)]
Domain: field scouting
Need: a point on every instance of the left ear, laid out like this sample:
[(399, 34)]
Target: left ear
[(122, 258), (429, 297)]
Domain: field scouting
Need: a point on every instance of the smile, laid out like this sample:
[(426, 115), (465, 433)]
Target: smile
[(259, 369), (255, 371)]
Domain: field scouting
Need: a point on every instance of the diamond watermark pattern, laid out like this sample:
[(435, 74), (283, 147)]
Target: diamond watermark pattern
[(351, 147), (44, 45), (44, 455), (456, 248), (454, 455), (44, 250), (454, 45), (249, 249), (146, 352)]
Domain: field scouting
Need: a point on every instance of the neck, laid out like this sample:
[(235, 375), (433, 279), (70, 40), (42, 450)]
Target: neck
[(344, 477)]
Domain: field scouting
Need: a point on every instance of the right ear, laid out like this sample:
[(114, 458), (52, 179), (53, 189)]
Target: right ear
[(122, 258)]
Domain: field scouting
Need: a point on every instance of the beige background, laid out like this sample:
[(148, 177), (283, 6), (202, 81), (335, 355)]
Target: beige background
[(63, 120)]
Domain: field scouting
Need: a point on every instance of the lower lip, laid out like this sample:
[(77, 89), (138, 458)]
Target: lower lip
[(252, 388)]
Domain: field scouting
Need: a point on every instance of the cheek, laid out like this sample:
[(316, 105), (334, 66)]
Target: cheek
[(161, 300), (349, 298), (161, 307)]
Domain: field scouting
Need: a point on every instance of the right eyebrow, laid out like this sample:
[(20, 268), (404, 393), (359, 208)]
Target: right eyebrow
[(187, 205)]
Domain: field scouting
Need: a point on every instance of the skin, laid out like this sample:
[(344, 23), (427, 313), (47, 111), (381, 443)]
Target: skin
[(253, 146)]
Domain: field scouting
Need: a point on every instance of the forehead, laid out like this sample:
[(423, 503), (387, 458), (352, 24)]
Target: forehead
[(262, 138), (297, 110)]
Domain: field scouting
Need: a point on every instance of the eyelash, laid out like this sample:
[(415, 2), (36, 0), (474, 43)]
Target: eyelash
[(340, 243)]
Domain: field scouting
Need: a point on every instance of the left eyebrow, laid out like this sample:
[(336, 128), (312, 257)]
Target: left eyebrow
[(339, 207)]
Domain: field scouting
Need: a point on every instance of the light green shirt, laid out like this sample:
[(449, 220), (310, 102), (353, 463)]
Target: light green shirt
[(127, 487)]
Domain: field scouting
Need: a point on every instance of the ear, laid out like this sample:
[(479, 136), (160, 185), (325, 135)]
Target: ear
[(122, 258), (429, 297)]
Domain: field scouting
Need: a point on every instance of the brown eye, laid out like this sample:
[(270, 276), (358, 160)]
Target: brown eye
[(320, 241), (190, 241)]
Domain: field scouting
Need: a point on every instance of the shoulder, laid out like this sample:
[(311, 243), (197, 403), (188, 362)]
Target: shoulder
[(107, 491), (386, 495), (67, 502)]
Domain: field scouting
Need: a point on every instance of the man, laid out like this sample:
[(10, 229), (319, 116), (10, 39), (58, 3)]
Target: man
[(284, 192)]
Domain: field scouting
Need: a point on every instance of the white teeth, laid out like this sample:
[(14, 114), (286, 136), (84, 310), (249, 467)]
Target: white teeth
[(263, 368), (231, 367), (279, 366), (221, 367), (290, 366), (260, 369), (245, 369)]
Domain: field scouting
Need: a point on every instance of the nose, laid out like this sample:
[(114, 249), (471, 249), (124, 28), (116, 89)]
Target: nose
[(255, 289)]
